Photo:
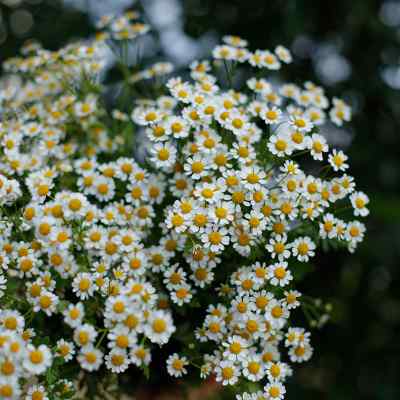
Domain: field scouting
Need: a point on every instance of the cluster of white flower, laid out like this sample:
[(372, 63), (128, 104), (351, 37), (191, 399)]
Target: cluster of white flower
[(19, 357), (124, 27), (100, 253), (227, 157)]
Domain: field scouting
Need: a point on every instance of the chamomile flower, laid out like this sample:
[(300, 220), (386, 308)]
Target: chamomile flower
[(270, 61), (140, 355), (340, 112), (202, 275), (222, 212), (121, 337), (327, 226), (90, 358), (83, 285), (355, 231), (46, 302), (215, 327), (227, 373), (301, 352), (291, 299), (259, 85), (303, 248), (74, 314), (37, 359), (271, 115), (215, 238), (176, 365), (253, 368), (148, 116), (163, 155), (277, 314), (236, 348), (223, 52), (117, 307), (283, 54), (36, 392), (337, 159), (278, 247), (275, 390), (84, 334), (280, 145), (65, 349), (278, 274), (300, 123), (11, 320), (159, 327), (196, 167), (359, 201), (117, 360)]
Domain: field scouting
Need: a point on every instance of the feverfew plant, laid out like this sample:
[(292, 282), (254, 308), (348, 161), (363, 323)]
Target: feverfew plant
[(197, 247)]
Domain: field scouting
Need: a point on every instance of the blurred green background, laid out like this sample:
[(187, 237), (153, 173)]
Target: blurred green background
[(353, 48)]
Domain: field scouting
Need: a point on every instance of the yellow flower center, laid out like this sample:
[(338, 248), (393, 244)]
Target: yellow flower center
[(6, 390), (75, 204), (181, 293), (119, 307), (237, 123), (83, 337), (207, 193), (261, 302), (277, 312), (84, 284), (280, 272), (200, 219), (252, 178), (177, 220), (360, 203), (275, 370), (252, 326), (254, 367), (247, 284), (91, 357), (303, 248), (177, 364), (221, 212), (300, 123), (7, 368), (163, 154), (235, 348), (159, 325), (299, 351), (43, 190), (37, 395), (274, 392), (44, 228), (280, 145), (10, 323), (279, 248), (102, 188), (214, 327), (214, 238), (227, 372), (36, 357), (297, 137), (151, 116), (122, 342), (176, 127), (197, 167), (45, 301)]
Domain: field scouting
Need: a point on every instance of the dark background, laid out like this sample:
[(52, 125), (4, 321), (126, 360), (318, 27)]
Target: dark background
[(355, 356)]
